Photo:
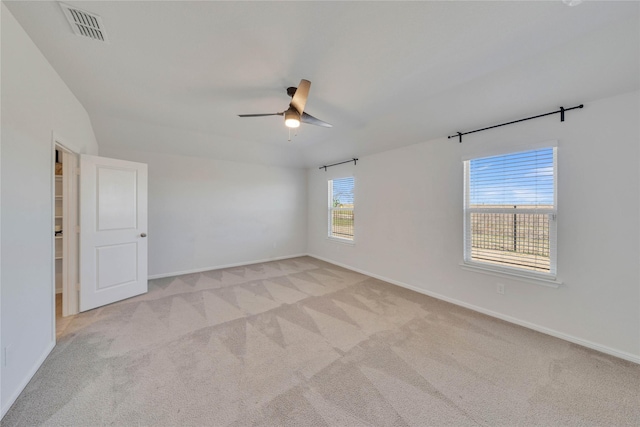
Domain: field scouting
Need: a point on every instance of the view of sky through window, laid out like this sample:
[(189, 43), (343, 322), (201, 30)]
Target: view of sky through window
[(516, 179), (343, 191)]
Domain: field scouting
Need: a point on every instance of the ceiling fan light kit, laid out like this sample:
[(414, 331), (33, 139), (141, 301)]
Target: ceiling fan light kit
[(295, 114), (291, 118)]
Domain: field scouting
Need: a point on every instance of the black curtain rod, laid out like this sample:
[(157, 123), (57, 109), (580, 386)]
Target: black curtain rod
[(561, 111), (354, 160)]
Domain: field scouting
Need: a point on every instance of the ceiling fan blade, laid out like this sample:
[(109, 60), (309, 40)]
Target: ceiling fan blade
[(300, 97), (309, 119), (260, 115)]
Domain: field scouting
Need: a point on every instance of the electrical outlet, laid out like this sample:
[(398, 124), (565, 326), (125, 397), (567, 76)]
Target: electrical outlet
[(500, 288)]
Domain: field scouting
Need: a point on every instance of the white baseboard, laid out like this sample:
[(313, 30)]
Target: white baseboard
[(218, 267), (585, 343), (30, 374)]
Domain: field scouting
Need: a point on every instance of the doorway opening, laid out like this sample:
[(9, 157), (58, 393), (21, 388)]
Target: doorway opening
[(65, 235)]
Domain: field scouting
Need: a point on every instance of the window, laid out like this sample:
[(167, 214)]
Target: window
[(341, 208), (510, 212)]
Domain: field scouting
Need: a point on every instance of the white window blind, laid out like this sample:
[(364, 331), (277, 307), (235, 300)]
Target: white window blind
[(510, 211), (341, 208)]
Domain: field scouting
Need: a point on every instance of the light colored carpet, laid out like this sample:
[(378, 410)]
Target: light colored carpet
[(305, 343)]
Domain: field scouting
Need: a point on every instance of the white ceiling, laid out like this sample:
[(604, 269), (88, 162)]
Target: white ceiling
[(175, 75)]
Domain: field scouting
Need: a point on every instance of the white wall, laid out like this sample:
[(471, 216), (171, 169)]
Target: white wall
[(409, 224), (206, 213), (35, 102)]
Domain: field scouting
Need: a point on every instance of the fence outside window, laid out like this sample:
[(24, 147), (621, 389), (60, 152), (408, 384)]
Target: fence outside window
[(342, 223), (517, 239)]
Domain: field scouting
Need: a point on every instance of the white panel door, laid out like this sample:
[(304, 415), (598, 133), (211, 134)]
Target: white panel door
[(113, 230)]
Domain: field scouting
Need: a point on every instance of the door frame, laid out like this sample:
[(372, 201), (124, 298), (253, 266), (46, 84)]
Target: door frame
[(70, 252)]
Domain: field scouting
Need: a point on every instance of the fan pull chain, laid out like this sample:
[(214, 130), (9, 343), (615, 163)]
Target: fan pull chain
[(294, 134)]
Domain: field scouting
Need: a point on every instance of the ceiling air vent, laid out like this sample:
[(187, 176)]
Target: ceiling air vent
[(84, 23)]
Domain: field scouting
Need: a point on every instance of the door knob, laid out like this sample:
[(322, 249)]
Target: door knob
[(143, 235)]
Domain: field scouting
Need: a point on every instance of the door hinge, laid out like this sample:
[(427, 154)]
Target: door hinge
[(78, 171), (78, 287), (77, 229)]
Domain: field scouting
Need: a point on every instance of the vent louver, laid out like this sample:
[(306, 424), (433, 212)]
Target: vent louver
[(84, 23)]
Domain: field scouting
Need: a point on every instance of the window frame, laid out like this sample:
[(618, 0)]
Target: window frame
[(495, 268), (331, 209)]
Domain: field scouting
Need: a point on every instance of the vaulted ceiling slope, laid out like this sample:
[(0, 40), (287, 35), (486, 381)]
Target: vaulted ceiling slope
[(175, 75)]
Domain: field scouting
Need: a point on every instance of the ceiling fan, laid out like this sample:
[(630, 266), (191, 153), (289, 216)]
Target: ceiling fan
[(295, 114)]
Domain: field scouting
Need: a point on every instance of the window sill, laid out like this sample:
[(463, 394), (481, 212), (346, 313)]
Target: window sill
[(341, 241), (536, 280)]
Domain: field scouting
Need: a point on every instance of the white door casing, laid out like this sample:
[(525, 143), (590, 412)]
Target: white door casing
[(113, 227)]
